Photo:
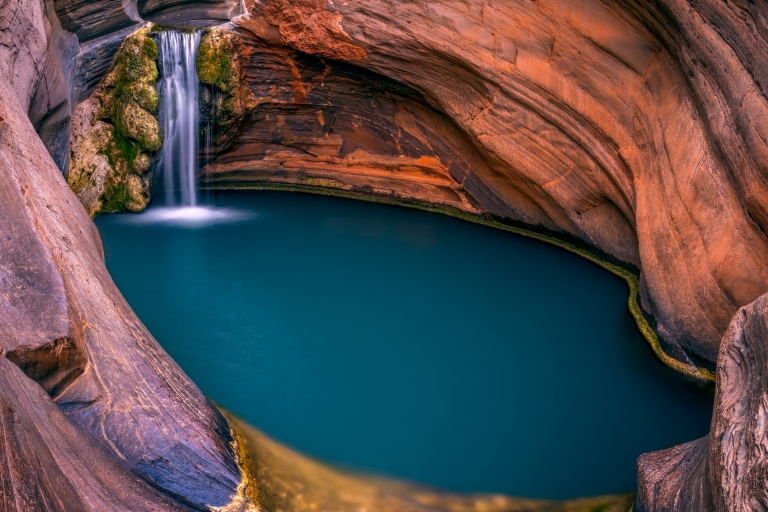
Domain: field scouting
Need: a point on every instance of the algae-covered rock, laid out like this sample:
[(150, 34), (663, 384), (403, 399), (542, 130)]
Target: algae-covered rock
[(98, 167), (137, 124), (143, 95), (225, 98), (218, 60), (117, 134), (89, 167)]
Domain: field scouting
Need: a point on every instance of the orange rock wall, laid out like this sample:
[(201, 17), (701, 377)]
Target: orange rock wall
[(636, 126)]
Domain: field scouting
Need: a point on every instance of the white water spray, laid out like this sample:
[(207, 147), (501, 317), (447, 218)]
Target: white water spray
[(180, 119)]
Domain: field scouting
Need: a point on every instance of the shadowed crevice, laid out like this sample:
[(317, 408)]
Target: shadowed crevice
[(54, 365)]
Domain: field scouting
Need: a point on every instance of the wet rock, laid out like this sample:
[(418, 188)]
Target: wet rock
[(225, 97), (114, 143), (199, 12), (94, 415), (89, 166), (289, 481), (89, 19), (135, 123), (726, 470), (318, 123)]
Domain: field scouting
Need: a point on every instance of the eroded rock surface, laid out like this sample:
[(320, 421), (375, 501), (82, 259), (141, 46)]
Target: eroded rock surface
[(116, 134), (319, 123), (289, 481), (634, 126), (637, 126), (94, 415), (725, 471)]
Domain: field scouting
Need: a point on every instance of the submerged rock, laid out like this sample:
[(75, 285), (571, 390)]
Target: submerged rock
[(289, 481), (115, 142)]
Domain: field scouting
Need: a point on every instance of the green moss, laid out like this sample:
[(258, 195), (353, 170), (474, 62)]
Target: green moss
[(115, 196), (218, 67), (216, 62), (136, 124), (630, 278), (129, 103), (141, 94), (128, 98)]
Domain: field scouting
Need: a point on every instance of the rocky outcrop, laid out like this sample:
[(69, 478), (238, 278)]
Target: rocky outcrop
[(90, 19), (174, 12), (324, 124), (225, 99), (725, 471), (634, 126), (94, 415), (116, 134), (290, 481)]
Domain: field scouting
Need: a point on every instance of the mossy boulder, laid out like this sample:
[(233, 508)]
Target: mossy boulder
[(225, 97), (143, 95), (124, 131), (136, 124), (218, 60)]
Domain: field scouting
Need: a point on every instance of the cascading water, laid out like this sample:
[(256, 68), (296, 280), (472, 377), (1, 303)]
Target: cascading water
[(180, 116), (180, 119)]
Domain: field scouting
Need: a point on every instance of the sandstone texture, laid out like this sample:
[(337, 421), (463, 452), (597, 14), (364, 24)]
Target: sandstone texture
[(94, 415), (326, 124), (634, 126), (290, 481)]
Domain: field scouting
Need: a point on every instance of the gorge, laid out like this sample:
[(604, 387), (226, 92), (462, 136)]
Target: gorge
[(339, 328), (628, 131)]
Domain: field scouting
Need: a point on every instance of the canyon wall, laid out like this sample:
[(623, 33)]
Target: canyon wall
[(94, 414), (634, 126), (725, 471)]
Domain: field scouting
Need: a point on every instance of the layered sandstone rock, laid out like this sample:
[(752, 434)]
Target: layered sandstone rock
[(637, 126), (94, 415), (326, 124), (610, 121)]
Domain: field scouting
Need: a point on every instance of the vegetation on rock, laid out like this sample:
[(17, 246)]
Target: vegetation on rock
[(225, 99), (128, 133)]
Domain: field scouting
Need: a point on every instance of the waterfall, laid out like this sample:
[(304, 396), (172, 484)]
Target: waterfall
[(178, 165), (180, 117)]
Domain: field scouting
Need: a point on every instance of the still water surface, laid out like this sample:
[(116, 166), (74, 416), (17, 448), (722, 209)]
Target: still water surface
[(407, 343)]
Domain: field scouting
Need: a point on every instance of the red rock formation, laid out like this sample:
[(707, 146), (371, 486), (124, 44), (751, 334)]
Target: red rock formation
[(634, 126), (326, 124)]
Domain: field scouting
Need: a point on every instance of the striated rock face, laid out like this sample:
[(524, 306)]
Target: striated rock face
[(94, 415), (725, 471), (635, 126), (326, 124), (171, 12)]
